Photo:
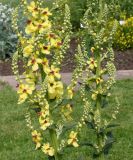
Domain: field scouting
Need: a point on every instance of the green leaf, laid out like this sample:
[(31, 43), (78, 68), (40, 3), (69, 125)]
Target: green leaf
[(86, 144), (68, 127), (109, 142), (66, 101), (51, 158), (90, 125), (113, 125)]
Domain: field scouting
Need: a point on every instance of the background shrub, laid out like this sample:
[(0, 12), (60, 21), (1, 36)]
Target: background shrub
[(8, 38), (124, 35), (126, 7), (12, 3), (119, 9)]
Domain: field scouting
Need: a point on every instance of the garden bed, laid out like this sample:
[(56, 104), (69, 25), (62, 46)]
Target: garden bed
[(123, 61)]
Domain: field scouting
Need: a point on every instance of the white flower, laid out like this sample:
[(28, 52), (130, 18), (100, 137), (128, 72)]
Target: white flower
[(122, 22)]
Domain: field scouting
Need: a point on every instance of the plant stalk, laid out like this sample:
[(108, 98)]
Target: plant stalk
[(98, 102), (54, 142), (52, 132), (101, 157)]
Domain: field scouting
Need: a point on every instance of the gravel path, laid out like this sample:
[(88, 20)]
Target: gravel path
[(66, 77)]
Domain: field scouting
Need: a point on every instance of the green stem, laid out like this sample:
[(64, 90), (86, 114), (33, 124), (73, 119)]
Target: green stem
[(101, 157), (43, 75), (52, 132), (98, 103), (54, 142)]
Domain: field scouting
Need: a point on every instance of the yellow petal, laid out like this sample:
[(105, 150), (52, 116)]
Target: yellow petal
[(38, 60), (51, 152), (75, 144), (57, 75), (35, 67)]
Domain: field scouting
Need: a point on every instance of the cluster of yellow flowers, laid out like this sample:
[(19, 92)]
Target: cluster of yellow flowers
[(39, 42), (124, 35), (93, 64), (46, 148), (36, 45)]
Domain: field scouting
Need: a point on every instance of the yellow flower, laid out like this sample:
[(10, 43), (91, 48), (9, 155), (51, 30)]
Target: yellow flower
[(59, 89), (45, 63), (34, 62), (99, 80), (30, 77), (70, 93), (28, 50), (57, 43), (66, 111), (24, 90), (44, 113), (47, 149), (92, 49), (36, 137), (94, 95), (53, 72), (92, 63), (42, 26), (54, 40), (45, 14), (32, 6), (44, 122), (30, 28), (73, 139), (33, 9), (22, 40), (45, 49), (31, 41), (55, 90), (69, 108), (51, 37)]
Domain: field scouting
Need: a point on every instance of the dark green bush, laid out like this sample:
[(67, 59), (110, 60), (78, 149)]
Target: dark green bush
[(117, 9)]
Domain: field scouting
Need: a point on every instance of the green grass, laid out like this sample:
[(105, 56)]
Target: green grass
[(15, 139)]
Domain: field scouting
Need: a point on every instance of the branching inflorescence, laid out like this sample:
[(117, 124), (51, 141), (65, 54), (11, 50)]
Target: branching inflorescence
[(42, 47), (98, 64)]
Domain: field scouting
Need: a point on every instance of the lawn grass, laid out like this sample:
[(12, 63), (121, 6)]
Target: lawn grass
[(15, 139)]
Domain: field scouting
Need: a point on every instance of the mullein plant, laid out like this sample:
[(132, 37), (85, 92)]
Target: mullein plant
[(96, 59), (41, 47)]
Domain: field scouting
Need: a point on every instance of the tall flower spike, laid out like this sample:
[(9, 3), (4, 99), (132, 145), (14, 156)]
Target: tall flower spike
[(40, 86)]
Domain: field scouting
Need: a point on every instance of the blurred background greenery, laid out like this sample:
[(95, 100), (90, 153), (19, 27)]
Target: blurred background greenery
[(119, 9)]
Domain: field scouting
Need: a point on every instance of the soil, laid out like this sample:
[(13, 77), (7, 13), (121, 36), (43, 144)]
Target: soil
[(123, 61), (6, 69)]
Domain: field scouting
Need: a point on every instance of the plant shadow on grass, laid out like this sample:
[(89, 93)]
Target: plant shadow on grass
[(15, 138)]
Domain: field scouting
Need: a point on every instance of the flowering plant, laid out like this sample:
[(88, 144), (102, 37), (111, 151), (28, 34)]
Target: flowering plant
[(98, 79), (8, 38), (42, 48)]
